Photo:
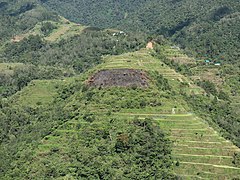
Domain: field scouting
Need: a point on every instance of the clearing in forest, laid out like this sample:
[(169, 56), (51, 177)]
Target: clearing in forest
[(119, 77)]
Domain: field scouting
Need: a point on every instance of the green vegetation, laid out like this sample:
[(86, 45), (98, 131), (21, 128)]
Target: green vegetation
[(217, 104), (114, 132), (177, 118), (191, 24), (78, 140), (15, 76), (69, 52), (104, 148), (53, 31), (45, 59), (17, 17)]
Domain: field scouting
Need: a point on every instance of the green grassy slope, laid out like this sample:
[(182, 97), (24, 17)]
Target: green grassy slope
[(38, 92), (199, 151)]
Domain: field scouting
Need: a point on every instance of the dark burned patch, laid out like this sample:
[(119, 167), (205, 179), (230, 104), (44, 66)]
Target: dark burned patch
[(120, 78)]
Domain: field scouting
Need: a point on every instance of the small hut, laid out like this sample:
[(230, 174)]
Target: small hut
[(149, 45)]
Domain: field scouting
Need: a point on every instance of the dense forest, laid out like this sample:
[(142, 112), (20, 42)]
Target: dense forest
[(200, 30)]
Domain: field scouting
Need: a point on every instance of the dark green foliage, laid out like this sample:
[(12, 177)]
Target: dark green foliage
[(209, 87), (11, 83), (20, 130), (55, 60), (220, 114), (23, 8), (3, 5), (101, 147), (161, 82), (30, 44), (137, 149), (47, 28), (236, 159), (209, 28), (224, 96), (220, 13), (16, 17), (79, 52)]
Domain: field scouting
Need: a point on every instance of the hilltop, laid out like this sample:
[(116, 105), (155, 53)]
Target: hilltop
[(103, 130)]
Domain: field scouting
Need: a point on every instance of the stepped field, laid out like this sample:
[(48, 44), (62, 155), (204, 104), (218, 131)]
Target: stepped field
[(63, 30), (199, 152), (143, 59)]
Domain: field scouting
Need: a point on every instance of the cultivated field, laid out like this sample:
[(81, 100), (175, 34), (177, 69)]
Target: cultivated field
[(199, 152)]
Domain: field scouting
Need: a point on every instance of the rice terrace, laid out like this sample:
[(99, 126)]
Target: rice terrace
[(199, 152), (119, 77), (119, 90)]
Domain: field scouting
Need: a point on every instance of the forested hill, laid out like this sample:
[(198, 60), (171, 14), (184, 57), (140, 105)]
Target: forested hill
[(18, 16), (207, 28)]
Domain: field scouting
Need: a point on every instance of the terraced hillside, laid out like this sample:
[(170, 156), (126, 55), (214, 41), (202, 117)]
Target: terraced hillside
[(61, 29), (219, 78), (199, 149), (37, 92), (144, 60), (199, 152)]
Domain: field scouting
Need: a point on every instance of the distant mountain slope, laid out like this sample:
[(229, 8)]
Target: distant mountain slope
[(19, 16), (209, 27)]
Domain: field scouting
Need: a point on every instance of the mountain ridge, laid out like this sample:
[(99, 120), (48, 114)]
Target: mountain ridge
[(187, 23)]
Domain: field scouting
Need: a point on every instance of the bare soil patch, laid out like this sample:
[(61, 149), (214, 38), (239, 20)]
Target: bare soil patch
[(119, 77), (17, 39)]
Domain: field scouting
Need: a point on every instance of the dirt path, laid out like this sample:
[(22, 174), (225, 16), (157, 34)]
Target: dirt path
[(206, 164), (197, 155)]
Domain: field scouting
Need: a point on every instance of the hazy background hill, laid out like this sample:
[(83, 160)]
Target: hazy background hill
[(209, 27), (19, 16)]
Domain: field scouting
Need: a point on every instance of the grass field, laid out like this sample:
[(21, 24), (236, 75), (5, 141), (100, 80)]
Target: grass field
[(39, 92)]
